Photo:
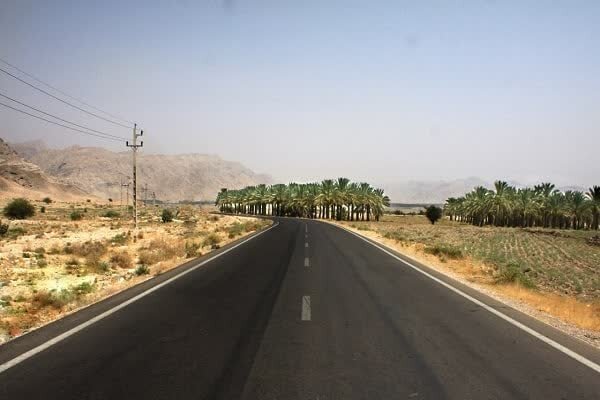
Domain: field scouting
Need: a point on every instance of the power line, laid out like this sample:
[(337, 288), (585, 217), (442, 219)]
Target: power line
[(64, 101), (56, 123), (61, 119), (65, 94)]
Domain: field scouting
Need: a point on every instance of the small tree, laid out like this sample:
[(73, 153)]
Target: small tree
[(167, 215), (433, 213), (19, 209), (47, 200)]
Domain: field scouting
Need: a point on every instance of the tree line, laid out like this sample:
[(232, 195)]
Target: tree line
[(540, 206), (329, 199)]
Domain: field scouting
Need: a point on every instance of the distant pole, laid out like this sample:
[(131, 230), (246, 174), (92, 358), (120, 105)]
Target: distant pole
[(134, 146), (154, 199)]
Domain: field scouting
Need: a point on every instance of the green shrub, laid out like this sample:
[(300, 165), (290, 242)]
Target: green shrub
[(47, 200), (83, 288), (512, 272), (120, 238), (4, 228), (142, 269), (19, 209), (445, 251), (167, 215), (42, 209), (111, 214), (76, 215)]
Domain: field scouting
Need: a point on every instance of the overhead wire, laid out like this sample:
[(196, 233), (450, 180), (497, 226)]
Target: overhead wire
[(59, 124), (65, 94), (63, 101), (62, 119)]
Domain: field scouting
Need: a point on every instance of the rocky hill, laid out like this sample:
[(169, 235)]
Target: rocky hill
[(100, 172), (19, 177)]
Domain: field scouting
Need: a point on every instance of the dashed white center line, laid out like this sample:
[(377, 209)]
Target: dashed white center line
[(305, 227), (306, 262), (305, 308), (306, 244)]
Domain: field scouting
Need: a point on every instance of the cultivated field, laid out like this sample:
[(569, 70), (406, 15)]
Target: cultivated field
[(54, 262), (556, 271)]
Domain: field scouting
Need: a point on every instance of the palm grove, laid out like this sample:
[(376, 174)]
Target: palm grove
[(540, 206), (330, 199)]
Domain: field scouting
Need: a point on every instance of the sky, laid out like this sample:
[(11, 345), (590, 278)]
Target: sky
[(383, 91)]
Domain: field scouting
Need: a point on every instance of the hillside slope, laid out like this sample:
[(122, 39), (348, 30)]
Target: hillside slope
[(172, 177), (20, 178)]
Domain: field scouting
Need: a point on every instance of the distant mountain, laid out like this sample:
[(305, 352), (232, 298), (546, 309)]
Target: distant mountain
[(21, 178), (436, 192), (172, 177), (430, 192)]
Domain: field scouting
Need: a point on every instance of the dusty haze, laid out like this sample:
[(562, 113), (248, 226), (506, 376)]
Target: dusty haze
[(380, 92)]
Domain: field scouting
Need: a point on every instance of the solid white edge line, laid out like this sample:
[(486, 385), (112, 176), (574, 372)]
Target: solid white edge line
[(306, 308), (532, 332), (72, 331)]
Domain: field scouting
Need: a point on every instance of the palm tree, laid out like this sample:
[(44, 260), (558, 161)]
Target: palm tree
[(541, 206), (340, 199), (593, 194)]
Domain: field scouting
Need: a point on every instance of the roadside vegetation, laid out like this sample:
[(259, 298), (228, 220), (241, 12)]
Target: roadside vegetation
[(337, 199), (541, 206), (557, 271), (71, 255)]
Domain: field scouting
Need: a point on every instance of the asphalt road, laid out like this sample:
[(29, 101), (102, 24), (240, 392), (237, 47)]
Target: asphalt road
[(304, 310)]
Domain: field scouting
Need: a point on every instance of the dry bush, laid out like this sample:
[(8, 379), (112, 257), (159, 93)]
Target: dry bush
[(160, 250), (211, 240), (122, 260)]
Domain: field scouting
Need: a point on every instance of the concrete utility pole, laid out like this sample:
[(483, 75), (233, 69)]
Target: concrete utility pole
[(145, 189), (154, 199), (134, 146), (126, 186)]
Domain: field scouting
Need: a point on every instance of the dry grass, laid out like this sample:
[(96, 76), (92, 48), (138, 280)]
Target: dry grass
[(51, 265), (569, 309)]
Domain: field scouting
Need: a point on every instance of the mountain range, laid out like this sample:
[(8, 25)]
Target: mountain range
[(100, 172)]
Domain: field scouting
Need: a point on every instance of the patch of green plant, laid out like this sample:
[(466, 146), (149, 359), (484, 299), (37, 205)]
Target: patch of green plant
[(120, 238), (111, 214), (445, 250), (512, 272), (47, 200), (142, 269), (76, 215), (83, 288)]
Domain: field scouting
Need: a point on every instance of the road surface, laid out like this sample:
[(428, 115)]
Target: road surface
[(304, 310)]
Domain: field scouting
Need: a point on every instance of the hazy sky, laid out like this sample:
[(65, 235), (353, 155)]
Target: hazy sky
[(383, 91)]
